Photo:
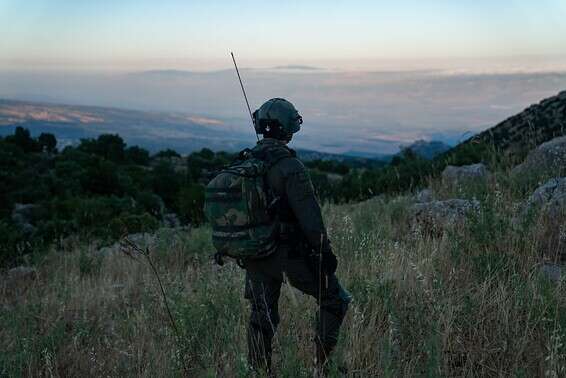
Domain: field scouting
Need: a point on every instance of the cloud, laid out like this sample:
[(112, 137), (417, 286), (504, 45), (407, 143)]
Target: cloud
[(205, 121), (407, 137)]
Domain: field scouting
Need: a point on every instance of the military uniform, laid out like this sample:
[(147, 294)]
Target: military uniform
[(302, 232)]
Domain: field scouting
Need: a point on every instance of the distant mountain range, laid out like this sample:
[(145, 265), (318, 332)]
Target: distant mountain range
[(152, 130), (351, 161), (428, 149), (186, 133)]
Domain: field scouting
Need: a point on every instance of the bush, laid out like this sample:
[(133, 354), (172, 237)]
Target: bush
[(23, 140), (102, 178), (93, 215), (131, 224), (108, 146), (137, 155), (10, 243), (190, 204), (168, 153), (47, 142), (150, 203), (166, 182)]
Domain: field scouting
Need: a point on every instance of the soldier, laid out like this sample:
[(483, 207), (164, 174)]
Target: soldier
[(303, 255)]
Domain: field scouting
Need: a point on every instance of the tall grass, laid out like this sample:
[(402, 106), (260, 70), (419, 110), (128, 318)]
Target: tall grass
[(467, 302)]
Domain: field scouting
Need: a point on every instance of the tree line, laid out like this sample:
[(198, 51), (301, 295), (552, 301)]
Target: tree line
[(101, 188)]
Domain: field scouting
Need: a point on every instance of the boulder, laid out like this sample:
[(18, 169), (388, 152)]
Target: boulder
[(424, 196), (436, 216), (171, 220), (549, 201), (548, 157), (108, 250), (143, 239), (454, 175), (549, 197), (553, 272)]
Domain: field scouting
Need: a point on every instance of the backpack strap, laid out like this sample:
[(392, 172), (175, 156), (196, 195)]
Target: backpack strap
[(271, 156)]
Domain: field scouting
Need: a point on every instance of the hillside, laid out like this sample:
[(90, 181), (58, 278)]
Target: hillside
[(519, 133), (470, 286), (428, 149), (469, 300), (86, 187)]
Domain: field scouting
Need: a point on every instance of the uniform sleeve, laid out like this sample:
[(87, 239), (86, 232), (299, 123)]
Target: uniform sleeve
[(303, 202)]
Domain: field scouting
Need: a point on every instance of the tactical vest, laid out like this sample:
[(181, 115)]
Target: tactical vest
[(241, 207)]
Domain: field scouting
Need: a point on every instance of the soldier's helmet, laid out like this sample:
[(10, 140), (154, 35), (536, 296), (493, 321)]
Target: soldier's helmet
[(277, 116)]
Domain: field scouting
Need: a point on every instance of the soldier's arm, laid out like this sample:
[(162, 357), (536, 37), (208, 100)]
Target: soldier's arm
[(305, 206)]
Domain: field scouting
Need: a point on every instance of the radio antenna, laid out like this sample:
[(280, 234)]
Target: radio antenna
[(244, 92)]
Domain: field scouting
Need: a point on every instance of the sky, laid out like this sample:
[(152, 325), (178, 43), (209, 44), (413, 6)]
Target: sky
[(379, 73), (197, 35)]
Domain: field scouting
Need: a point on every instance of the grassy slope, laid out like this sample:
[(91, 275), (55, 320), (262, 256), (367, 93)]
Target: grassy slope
[(467, 303)]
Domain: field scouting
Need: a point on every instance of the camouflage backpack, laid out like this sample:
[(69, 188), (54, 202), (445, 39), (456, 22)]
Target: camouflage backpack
[(241, 207)]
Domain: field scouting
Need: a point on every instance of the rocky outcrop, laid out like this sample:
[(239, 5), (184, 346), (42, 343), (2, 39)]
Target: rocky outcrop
[(549, 197), (453, 175), (436, 216), (424, 196), (548, 157), (549, 202)]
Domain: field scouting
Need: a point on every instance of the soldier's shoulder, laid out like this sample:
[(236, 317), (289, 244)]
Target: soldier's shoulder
[(290, 166)]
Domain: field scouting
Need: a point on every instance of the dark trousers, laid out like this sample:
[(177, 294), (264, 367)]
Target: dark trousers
[(263, 287)]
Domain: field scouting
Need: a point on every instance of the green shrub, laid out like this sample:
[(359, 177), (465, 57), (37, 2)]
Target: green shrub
[(11, 240), (131, 224), (190, 203)]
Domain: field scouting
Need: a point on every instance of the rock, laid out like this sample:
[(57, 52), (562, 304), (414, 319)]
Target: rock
[(454, 175), (424, 196), (23, 210), (109, 250), (438, 215), (549, 197), (21, 273), (143, 239), (549, 156), (551, 271), (549, 202), (171, 220)]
